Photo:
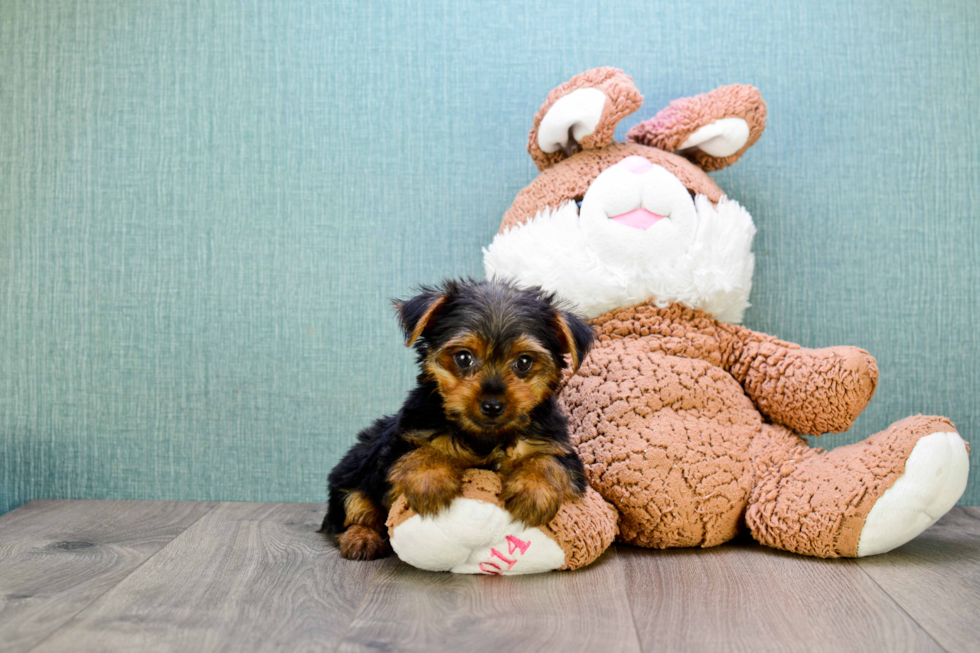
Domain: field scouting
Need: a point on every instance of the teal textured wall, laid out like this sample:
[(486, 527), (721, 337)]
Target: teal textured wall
[(205, 205)]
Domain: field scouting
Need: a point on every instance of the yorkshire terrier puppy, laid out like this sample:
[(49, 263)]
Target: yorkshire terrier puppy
[(491, 357)]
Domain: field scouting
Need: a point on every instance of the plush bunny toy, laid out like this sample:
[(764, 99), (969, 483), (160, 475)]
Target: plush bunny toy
[(688, 424)]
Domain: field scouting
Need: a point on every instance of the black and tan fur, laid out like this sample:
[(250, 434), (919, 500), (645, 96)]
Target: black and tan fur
[(491, 357)]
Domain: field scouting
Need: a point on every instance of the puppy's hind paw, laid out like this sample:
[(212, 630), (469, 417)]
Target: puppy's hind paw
[(362, 543)]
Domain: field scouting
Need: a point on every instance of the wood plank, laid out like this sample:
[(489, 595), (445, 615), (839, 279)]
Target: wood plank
[(745, 597), (246, 577), (255, 577), (56, 557), (411, 610), (936, 579)]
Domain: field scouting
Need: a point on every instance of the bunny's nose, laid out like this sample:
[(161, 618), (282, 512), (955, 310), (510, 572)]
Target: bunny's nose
[(635, 164)]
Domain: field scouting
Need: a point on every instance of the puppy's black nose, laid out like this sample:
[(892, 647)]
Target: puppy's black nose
[(492, 407)]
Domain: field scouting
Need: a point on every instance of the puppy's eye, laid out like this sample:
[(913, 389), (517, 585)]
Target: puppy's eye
[(463, 359), (523, 363)]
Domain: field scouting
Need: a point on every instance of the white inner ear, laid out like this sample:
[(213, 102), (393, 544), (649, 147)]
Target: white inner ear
[(721, 138), (570, 119)]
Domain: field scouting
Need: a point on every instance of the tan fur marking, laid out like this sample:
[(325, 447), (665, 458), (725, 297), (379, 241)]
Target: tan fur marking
[(528, 448), (533, 492), (418, 437), (428, 479), (443, 377), (424, 320), (459, 391), (568, 340), (360, 509), (451, 448), (469, 341), (527, 344), (532, 390), (462, 402), (362, 543)]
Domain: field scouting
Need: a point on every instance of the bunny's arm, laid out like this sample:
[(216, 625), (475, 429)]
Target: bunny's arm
[(812, 391)]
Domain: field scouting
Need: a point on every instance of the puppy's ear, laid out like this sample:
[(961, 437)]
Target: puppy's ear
[(576, 337), (417, 313)]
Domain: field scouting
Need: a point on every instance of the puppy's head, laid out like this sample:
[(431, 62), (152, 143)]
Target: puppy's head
[(496, 351)]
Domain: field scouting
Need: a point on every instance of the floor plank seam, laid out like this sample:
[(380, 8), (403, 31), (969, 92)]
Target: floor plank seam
[(121, 580), (360, 604), (969, 513), (622, 569), (899, 606)]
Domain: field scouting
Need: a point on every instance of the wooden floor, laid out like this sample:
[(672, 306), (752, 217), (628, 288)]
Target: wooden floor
[(181, 576)]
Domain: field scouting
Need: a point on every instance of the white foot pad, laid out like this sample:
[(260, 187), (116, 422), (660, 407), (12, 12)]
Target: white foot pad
[(475, 537), (934, 480)]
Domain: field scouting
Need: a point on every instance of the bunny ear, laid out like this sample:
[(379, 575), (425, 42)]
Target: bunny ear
[(581, 114), (713, 129)]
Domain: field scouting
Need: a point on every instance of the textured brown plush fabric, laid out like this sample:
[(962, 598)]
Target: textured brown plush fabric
[(669, 413), (583, 528), (690, 426), (622, 99), (780, 378), (570, 178), (672, 126), (815, 502)]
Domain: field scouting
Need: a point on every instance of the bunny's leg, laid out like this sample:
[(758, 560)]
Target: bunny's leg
[(860, 499)]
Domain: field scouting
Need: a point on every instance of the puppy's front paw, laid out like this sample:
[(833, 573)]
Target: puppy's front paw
[(362, 543), (531, 498), (428, 489)]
